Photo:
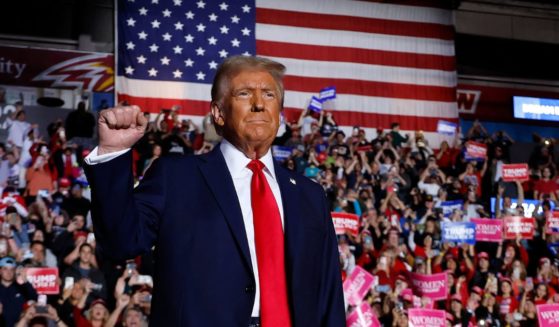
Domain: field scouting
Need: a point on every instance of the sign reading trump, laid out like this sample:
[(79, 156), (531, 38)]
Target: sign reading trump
[(44, 280)]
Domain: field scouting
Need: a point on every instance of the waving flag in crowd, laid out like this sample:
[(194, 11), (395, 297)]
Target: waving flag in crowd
[(388, 62)]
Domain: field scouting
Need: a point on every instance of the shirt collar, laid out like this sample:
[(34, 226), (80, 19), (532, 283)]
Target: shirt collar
[(237, 161)]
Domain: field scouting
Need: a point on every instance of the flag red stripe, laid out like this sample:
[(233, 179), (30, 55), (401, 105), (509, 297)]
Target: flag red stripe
[(362, 56), (368, 88), (356, 24), (342, 117)]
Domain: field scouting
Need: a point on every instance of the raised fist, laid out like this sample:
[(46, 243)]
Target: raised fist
[(120, 128)]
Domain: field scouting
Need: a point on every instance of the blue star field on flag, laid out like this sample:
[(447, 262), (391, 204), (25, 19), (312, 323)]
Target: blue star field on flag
[(180, 40)]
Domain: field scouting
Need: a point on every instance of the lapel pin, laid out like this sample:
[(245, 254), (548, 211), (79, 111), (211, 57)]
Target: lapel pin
[(293, 181)]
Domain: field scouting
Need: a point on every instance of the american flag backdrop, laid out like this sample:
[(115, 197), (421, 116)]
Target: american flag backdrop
[(388, 61)]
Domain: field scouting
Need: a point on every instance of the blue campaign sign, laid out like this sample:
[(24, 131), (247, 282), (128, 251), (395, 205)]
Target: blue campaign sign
[(449, 206), (280, 153), (446, 127), (327, 93), (458, 232), (315, 104)]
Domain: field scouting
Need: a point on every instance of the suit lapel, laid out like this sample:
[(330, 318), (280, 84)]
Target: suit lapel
[(291, 206), (214, 170)]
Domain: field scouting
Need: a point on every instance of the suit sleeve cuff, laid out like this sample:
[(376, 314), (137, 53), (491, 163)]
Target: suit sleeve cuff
[(93, 158)]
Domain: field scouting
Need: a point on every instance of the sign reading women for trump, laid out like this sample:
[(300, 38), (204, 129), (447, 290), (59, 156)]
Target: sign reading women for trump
[(548, 315), (358, 284), (362, 316), (426, 318), (488, 230), (518, 226), (345, 222), (432, 286), (459, 232)]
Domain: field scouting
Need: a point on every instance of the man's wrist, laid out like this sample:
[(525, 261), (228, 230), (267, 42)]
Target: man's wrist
[(101, 150)]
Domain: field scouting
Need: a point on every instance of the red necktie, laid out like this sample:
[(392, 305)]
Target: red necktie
[(268, 234)]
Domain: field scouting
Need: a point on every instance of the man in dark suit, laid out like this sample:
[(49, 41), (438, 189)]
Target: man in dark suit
[(239, 240)]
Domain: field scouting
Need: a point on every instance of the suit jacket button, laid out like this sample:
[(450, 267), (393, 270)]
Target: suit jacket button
[(249, 289)]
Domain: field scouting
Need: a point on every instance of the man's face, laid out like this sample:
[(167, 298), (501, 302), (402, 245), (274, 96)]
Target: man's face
[(85, 254), (250, 113), (133, 318), (8, 274)]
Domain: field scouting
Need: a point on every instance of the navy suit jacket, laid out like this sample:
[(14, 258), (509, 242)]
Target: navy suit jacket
[(188, 209)]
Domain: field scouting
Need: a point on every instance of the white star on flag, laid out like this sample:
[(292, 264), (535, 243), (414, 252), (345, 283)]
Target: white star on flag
[(189, 38), (200, 75), (167, 37), (152, 72), (246, 8), (200, 27), (130, 45), (179, 26), (177, 50), (235, 19), (189, 15), (188, 62), (166, 13), (223, 53), (177, 74), (155, 24), (129, 70), (153, 48), (245, 31), (212, 40), (141, 59), (224, 29), (212, 17), (235, 43), (142, 35), (223, 6), (131, 22), (201, 4), (143, 11), (177, 2), (213, 64), (165, 61), (200, 51)]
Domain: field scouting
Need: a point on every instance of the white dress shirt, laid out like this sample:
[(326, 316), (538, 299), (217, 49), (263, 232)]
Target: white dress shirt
[(236, 163)]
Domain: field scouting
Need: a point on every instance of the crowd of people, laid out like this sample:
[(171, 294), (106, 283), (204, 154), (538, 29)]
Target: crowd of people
[(395, 183)]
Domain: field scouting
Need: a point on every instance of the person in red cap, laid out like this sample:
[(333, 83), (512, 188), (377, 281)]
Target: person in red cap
[(482, 270)]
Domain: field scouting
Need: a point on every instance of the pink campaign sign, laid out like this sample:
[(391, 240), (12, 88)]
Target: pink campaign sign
[(426, 318), (548, 315), (488, 230), (432, 286), (357, 285), (362, 316)]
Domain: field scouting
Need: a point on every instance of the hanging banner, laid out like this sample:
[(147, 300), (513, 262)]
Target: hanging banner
[(89, 71)]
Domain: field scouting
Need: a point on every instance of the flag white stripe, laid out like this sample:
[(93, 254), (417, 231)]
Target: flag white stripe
[(359, 40), (295, 99), (364, 72), (362, 9)]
